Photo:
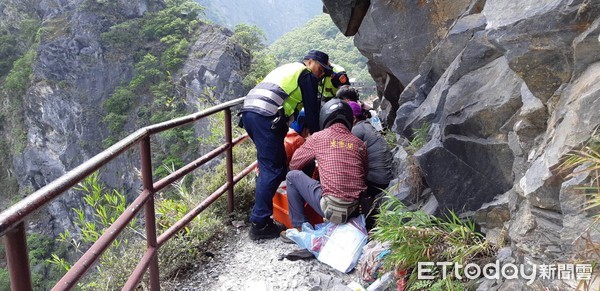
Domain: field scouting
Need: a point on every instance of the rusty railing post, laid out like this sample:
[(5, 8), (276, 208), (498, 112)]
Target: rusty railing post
[(229, 160), (149, 211), (15, 242)]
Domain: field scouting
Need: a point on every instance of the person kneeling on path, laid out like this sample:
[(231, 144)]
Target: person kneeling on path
[(265, 115), (343, 165), (380, 162)]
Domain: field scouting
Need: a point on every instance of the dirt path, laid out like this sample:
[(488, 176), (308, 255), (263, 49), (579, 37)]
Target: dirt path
[(234, 262)]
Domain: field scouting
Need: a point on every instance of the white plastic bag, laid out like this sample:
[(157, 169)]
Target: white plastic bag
[(337, 245)]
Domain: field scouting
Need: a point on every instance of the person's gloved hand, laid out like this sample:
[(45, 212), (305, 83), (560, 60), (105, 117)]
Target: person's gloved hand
[(340, 79)]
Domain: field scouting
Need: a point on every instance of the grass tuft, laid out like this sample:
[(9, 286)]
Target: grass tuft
[(419, 138), (415, 236), (587, 160)]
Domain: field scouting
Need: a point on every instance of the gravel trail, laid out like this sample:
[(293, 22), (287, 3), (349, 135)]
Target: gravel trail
[(234, 262)]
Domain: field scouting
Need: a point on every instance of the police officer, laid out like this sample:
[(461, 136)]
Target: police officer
[(266, 111), (332, 82)]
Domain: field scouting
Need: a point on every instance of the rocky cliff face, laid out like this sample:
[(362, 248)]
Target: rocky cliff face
[(74, 72), (509, 88)]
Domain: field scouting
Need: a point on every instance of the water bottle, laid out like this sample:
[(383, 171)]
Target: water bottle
[(381, 283), (375, 121)]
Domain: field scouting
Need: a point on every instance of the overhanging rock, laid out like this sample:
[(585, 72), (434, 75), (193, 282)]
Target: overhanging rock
[(347, 14)]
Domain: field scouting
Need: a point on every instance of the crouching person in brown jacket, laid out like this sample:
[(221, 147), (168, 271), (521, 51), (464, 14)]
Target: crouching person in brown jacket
[(342, 161)]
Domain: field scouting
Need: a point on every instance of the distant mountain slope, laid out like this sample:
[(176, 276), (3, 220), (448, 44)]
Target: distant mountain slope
[(320, 33), (274, 17)]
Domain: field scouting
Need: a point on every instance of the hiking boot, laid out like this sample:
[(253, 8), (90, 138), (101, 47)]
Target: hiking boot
[(269, 230), (284, 238)]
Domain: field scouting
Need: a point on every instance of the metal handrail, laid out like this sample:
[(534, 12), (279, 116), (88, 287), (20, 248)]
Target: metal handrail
[(12, 226)]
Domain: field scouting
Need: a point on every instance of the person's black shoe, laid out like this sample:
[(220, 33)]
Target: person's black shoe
[(271, 229)]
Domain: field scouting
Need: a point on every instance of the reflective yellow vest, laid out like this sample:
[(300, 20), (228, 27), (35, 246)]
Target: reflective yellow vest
[(279, 88), (326, 86)]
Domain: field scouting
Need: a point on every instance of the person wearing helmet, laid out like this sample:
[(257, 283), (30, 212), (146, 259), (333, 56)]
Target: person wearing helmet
[(332, 81), (380, 162), (342, 160), (265, 114)]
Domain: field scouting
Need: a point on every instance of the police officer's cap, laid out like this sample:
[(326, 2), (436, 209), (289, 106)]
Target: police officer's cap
[(320, 57)]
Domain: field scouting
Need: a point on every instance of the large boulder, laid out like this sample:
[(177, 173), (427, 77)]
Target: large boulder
[(509, 88), (470, 162), (398, 35), (537, 39)]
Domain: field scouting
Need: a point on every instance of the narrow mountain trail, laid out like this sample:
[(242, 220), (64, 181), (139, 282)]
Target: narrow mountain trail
[(234, 262)]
